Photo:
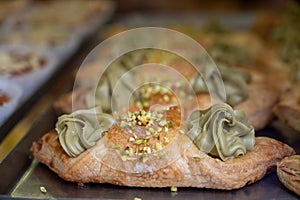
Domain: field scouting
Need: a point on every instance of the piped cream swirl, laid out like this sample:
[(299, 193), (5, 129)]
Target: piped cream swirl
[(81, 130), (221, 131), (235, 83)]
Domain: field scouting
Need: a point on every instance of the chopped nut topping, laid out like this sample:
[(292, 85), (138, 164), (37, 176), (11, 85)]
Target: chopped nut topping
[(138, 142), (173, 189), (153, 125), (43, 189), (169, 124), (166, 140), (196, 158)]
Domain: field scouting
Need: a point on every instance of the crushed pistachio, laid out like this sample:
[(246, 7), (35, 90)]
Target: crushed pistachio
[(158, 146), (166, 140), (43, 189), (169, 124), (154, 123), (148, 91), (124, 157), (173, 189), (162, 123), (123, 124), (166, 98), (116, 146), (138, 142), (145, 158), (173, 99), (196, 158)]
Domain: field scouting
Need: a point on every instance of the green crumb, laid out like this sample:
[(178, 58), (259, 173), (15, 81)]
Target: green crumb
[(138, 142), (169, 124), (196, 158), (173, 189), (43, 189)]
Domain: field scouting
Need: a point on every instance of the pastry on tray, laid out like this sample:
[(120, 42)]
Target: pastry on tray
[(3, 98), (16, 62), (245, 89), (288, 171), (10, 94), (288, 107), (282, 35), (53, 24), (26, 66), (9, 8), (214, 148), (233, 49)]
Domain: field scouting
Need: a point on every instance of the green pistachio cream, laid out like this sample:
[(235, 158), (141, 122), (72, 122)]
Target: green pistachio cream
[(81, 130), (230, 54), (221, 131), (102, 97), (235, 82)]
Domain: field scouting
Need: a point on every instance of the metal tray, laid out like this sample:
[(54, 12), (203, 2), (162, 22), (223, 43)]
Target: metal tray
[(22, 177)]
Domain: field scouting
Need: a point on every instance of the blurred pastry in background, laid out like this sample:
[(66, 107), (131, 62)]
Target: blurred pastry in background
[(10, 96), (19, 61), (243, 91), (288, 108), (283, 36), (9, 8)]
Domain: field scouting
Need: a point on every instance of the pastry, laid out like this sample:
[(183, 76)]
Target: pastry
[(17, 62), (53, 23), (288, 108), (9, 8), (10, 96), (245, 89), (282, 35), (3, 98), (288, 171), (155, 149)]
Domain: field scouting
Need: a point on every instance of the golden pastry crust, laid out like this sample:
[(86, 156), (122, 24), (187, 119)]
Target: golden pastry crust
[(190, 168), (288, 108)]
